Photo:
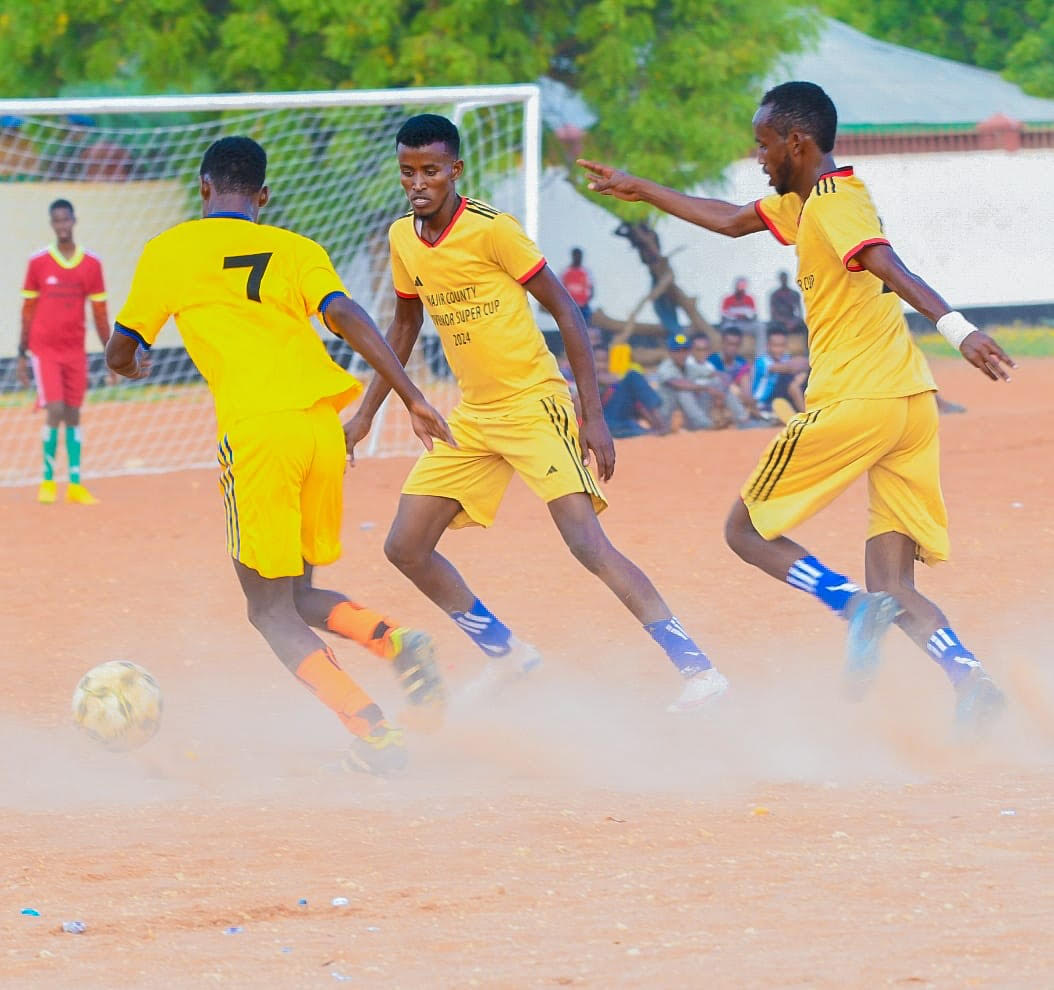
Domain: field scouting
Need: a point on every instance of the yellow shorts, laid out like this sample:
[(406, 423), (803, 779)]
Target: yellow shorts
[(820, 453), (282, 485), (538, 441)]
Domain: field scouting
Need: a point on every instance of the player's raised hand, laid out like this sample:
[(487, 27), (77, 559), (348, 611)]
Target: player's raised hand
[(984, 353), (609, 181), (596, 437), (428, 424)]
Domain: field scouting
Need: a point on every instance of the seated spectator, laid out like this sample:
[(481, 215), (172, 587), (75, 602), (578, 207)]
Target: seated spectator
[(695, 390), (734, 374), (578, 280), (779, 375), (632, 408), (785, 308)]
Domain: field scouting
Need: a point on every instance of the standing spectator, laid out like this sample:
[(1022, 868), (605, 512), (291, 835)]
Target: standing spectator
[(778, 374), (693, 389), (739, 307), (785, 308), (578, 280), (739, 310), (58, 281)]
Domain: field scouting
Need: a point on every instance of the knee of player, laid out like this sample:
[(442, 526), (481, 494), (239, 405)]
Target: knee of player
[(737, 527), (400, 551), (589, 549)]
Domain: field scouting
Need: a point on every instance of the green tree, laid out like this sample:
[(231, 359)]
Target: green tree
[(673, 83), (1014, 37)]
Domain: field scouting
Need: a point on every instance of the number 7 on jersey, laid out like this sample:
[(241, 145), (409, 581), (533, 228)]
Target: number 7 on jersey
[(257, 265)]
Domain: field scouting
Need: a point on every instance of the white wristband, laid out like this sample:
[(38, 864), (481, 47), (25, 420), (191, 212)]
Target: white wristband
[(955, 328)]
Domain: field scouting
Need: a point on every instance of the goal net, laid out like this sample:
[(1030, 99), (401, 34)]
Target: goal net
[(129, 166)]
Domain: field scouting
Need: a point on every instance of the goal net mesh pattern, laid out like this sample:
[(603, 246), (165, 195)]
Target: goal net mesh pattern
[(131, 175)]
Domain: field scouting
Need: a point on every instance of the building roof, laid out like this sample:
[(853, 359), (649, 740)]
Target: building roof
[(876, 83), (873, 83)]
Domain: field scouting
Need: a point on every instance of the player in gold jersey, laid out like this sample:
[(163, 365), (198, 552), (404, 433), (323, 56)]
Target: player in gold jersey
[(472, 266), (242, 295), (870, 405)]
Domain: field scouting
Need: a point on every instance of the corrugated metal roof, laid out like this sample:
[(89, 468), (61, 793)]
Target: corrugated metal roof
[(874, 82)]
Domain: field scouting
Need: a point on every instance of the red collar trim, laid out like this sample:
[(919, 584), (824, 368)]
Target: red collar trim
[(446, 229), (843, 171)]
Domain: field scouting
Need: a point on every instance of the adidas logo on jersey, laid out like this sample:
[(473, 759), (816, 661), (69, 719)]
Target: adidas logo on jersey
[(552, 470), (417, 280)]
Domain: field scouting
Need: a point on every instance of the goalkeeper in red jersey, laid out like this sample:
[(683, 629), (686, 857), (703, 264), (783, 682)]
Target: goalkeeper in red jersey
[(59, 279)]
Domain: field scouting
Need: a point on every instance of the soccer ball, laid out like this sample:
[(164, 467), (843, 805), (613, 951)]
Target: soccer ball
[(118, 704)]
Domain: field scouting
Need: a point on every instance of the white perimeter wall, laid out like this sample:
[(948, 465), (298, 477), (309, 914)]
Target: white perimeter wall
[(977, 226)]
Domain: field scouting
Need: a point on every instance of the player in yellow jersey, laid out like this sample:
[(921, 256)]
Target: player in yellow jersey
[(242, 295), (472, 266), (870, 405)]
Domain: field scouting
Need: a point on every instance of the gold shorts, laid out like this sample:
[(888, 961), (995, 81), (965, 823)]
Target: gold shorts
[(537, 440), (282, 485), (820, 453)]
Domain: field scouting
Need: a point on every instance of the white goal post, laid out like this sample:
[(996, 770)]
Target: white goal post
[(129, 166)]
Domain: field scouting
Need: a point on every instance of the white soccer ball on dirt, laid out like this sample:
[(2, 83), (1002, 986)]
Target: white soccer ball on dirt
[(118, 704)]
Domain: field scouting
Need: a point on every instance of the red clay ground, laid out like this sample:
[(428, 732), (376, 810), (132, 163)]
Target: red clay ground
[(570, 833)]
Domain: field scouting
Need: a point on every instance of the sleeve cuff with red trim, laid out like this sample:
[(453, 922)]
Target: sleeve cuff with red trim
[(534, 271), (768, 223), (847, 258)]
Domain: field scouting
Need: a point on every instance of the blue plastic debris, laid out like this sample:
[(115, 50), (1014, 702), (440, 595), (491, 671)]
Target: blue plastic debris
[(233, 930), (31, 912), (302, 902)]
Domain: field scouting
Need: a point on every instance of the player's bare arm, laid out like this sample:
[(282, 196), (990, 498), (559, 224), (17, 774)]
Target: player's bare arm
[(347, 318), (402, 334), (101, 318), (713, 214), (593, 433), (126, 358), (977, 347), (21, 369)]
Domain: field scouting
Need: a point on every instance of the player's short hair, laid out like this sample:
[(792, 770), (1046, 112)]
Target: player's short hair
[(235, 165), (429, 128), (60, 204), (805, 107)]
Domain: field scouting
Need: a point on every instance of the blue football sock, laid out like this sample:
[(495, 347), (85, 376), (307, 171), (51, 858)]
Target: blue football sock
[(834, 590), (486, 630), (678, 646), (954, 659)]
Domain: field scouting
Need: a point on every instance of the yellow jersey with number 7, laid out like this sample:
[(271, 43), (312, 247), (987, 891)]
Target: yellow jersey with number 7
[(242, 295)]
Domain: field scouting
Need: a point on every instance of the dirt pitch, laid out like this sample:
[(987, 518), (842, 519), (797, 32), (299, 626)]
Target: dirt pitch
[(571, 833)]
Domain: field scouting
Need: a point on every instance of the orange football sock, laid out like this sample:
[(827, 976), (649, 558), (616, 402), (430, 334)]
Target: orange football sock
[(362, 625), (338, 692)]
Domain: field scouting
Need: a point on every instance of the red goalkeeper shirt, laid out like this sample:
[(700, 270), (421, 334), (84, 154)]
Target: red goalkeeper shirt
[(61, 286)]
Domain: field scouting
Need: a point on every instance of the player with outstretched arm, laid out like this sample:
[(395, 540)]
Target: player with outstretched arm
[(870, 405), (472, 266), (242, 295)]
